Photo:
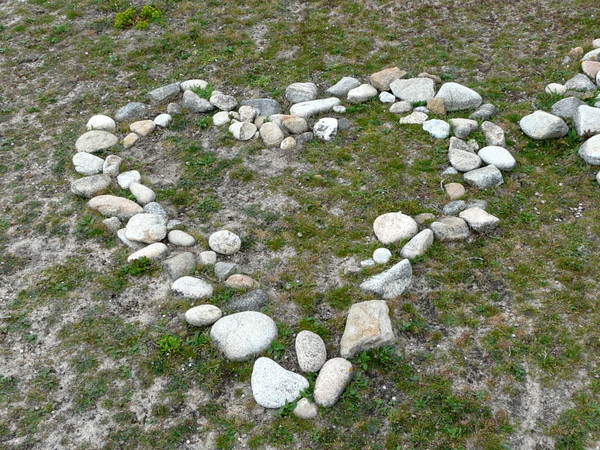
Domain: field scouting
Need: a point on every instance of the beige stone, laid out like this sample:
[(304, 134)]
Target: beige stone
[(239, 281), (130, 140), (143, 127), (437, 106), (382, 79), (455, 190)]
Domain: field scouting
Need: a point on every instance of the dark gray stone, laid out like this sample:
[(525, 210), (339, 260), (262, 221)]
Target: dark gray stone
[(251, 301), (131, 111), (265, 106)]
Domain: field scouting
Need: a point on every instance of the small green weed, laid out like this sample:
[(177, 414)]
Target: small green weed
[(204, 93), (136, 17), (169, 344)]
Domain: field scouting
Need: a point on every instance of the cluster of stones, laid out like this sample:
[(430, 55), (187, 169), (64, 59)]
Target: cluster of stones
[(247, 332), (572, 109)]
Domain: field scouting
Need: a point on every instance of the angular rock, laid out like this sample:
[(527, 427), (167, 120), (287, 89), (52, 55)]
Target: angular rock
[(181, 238), (225, 242), (305, 409), (541, 125), (361, 93), (392, 282), (386, 97), (413, 90), (207, 258), (461, 157), (221, 118), (95, 140), (308, 109), (163, 120), (331, 382), (271, 134), (174, 109), (203, 315), (131, 111), (479, 220), (192, 287), (222, 101), (90, 186), (401, 107), (164, 94), (567, 107), (224, 269), (484, 112), (418, 245), (494, 135), (590, 151), (113, 206), (146, 228), (449, 229), (587, 120), (301, 92), (381, 80), (393, 227), (243, 335), (580, 83), (153, 252), (265, 106), (485, 177), (112, 165), (437, 106), (180, 265), (251, 301), (101, 122), (415, 118), (438, 129), (142, 127), (458, 97), (368, 326), (126, 178), (87, 164), (342, 87), (498, 156), (247, 113), (242, 131), (142, 194), (310, 351), (454, 207), (196, 104), (273, 386), (326, 129)]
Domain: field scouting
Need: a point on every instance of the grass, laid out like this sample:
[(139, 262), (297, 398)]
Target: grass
[(483, 319)]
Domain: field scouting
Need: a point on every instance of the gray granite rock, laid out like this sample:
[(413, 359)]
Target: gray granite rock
[(271, 134), (418, 245), (265, 106), (479, 220), (393, 227), (332, 381), (454, 207), (305, 409), (461, 156), (541, 125), (90, 186), (361, 93), (567, 107), (273, 386), (224, 242), (485, 177), (392, 282), (131, 111), (498, 156), (308, 109), (195, 83), (95, 141), (342, 87), (126, 178), (157, 210), (484, 112), (386, 97), (413, 90), (590, 151), (368, 326), (587, 120), (294, 125), (449, 229), (401, 107), (181, 238), (142, 194), (580, 83), (224, 269), (242, 131), (458, 97), (463, 127), (164, 94), (301, 92), (310, 351), (112, 165), (146, 228), (180, 265), (203, 315), (223, 101), (439, 129), (192, 287), (196, 104), (163, 120), (415, 118), (494, 135), (251, 301)]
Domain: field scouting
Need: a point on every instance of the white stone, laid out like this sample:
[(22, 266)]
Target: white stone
[(498, 156), (463, 127), (192, 287), (542, 125), (393, 227), (308, 109), (242, 131), (590, 151), (310, 351), (90, 186), (113, 206), (332, 380), (203, 315), (243, 335), (222, 101), (382, 255), (221, 118), (87, 164), (413, 90), (196, 104), (461, 156), (143, 194), (449, 229), (305, 409), (112, 165), (95, 140), (386, 97), (401, 107), (207, 258), (479, 220), (301, 92), (555, 88), (368, 326), (273, 386), (101, 122), (147, 228), (458, 97), (418, 245), (391, 283), (415, 118), (587, 120), (484, 177), (288, 143), (361, 93), (596, 43), (225, 242), (339, 109), (188, 85), (142, 127), (271, 134), (494, 135), (437, 128), (163, 120), (180, 265), (580, 83), (153, 252), (342, 87), (126, 178), (181, 238), (326, 129)]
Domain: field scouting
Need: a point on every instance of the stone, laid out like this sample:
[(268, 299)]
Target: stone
[(131, 111), (342, 87), (590, 150), (477, 203), (243, 131), (308, 109), (243, 335), (435, 78), (87, 164), (203, 315), (288, 143), (494, 135), (225, 242), (112, 224), (171, 223), (163, 120), (580, 83), (401, 107), (310, 351), (439, 129), (271, 134), (485, 177), (367, 263), (339, 109), (112, 165), (294, 125), (361, 93), (368, 326), (415, 118), (164, 94), (126, 178), (181, 238), (196, 104), (223, 101), (590, 68), (247, 113), (449, 229), (142, 194), (157, 210), (498, 156), (95, 141), (180, 265), (541, 125), (418, 245), (484, 112), (455, 190), (265, 106), (251, 301), (381, 80), (207, 258), (461, 157), (344, 124), (239, 281), (596, 43), (454, 207), (390, 283), (422, 109), (479, 220), (587, 120), (131, 244), (555, 88), (386, 97), (273, 386), (101, 122), (192, 287), (305, 409), (174, 109), (437, 106), (591, 55), (221, 118), (113, 206), (301, 92), (458, 97), (414, 90), (277, 119), (130, 140), (567, 107), (90, 186), (142, 127), (423, 218), (326, 128), (146, 228), (224, 269), (331, 382), (153, 252), (393, 227), (473, 145), (382, 255), (188, 85), (448, 171)]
